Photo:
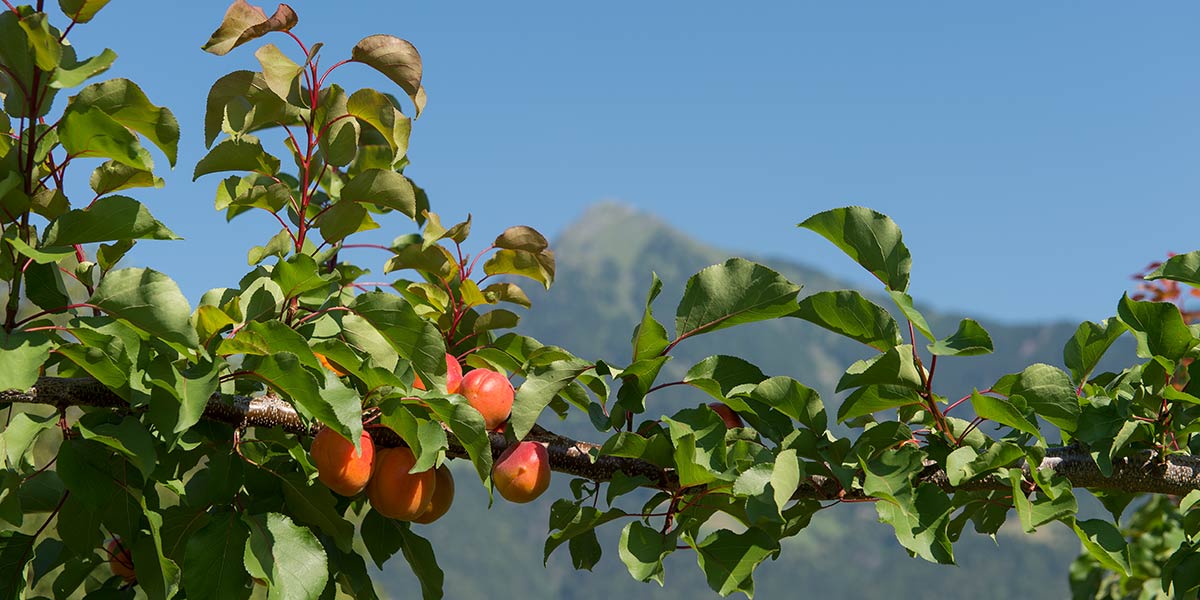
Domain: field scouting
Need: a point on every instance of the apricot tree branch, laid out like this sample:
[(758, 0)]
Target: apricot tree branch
[(1142, 472)]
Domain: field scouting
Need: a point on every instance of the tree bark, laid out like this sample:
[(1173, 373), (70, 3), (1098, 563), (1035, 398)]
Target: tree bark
[(1143, 472)]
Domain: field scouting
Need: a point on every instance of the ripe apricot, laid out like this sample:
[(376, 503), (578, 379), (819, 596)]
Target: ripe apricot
[(454, 376), (120, 560), (394, 492), (490, 393), (329, 364), (443, 496), (522, 472), (732, 419), (339, 467)]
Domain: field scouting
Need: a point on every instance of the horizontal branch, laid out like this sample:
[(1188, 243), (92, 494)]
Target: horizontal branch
[(1143, 472)]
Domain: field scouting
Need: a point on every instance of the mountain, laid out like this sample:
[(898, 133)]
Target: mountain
[(605, 260)]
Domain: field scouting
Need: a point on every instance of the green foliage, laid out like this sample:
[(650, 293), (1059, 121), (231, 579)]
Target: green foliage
[(189, 440)]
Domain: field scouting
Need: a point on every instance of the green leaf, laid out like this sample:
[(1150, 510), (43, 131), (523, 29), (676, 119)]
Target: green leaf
[(1042, 509), (395, 58), (44, 42), (287, 555), (1048, 391), (245, 154), (383, 537), (870, 238), (893, 367), (425, 437), (408, 333), (128, 437), (793, 399), (383, 188), (719, 375), (241, 102), (468, 426), (521, 237), (1091, 340), (342, 220), (18, 437), (243, 23), (964, 464), (16, 550), (108, 219), (24, 354), (81, 11), (505, 292), (127, 104), (698, 436), (849, 313), (569, 520), (1105, 543), (71, 72), (650, 337), (905, 303), (339, 144), (538, 267), (419, 554), (728, 559), (113, 176), (922, 528), (149, 301), (642, 549), (1158, 326), (380, 112), (889, 477), (342, 411), (190, 390), (1003, 412), (1184, 268), (278, 70), (735, 292), (870, 399), (971, 339), (91, 133), (315, 505), (213, 562), (541, 385)]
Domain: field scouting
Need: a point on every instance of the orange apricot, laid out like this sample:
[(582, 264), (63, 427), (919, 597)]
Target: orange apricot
[(522, 472), (329, 364), (454, 376), (339, 467), (443, 496), (490, 393), (394, 492), (120, 560)]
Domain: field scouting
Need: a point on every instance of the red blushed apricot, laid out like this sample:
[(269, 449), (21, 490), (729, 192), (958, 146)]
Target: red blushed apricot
[(454, 376), (522, 472), (339, 467), (443, 496), (394, 492), (120, 560), (732, 419), (490, 393)]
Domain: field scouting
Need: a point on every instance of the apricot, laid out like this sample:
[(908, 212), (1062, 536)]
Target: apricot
[(329, 364), (732, 419), (394, 492), (490, 393), (454, 376), (339, 467), (120, 560), (443, 496), (522, 472)]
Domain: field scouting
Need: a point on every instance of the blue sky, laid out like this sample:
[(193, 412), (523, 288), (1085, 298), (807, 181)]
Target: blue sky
[(1035, 154)]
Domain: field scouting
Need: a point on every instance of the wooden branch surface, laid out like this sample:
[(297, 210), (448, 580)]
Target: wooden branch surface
[(1143, 472)]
